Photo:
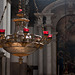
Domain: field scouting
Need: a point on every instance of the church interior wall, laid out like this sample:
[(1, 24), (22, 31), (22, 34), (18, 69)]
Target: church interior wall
[(39, 58)]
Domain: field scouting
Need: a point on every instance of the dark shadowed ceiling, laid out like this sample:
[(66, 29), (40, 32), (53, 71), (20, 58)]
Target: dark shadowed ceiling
[(40, 3)]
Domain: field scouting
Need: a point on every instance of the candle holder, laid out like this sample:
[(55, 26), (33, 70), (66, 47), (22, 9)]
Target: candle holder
[(22, 43)]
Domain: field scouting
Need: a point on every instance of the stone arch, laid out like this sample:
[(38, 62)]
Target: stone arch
[(65, 41), (60, 8)]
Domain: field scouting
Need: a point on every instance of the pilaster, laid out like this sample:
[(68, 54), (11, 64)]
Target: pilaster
[(8, 24), (3, 58), (49, 55), (30, 57), (39, 24)]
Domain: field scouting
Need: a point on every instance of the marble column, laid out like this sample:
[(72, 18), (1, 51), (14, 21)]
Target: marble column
[(49, 55), (30, 57), (4, 22), (40, 57), (54, 56), (13, 58), (3, 65), (48, 21), (36, 53), (1, 11), (51, 49), (8, 24), (4, 27)]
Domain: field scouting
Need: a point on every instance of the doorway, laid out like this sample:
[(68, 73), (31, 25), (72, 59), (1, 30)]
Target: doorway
[(66, 45)]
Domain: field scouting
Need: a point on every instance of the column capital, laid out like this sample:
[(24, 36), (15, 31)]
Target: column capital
[(40, 18), (48, 14), (38, 14), (43, 14)]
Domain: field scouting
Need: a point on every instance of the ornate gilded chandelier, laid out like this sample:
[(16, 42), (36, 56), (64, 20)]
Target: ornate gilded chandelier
[(22, 43)]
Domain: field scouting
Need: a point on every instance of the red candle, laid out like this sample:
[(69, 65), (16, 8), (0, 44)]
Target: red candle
[(2, 30), (20, 10), (26, 30), (50, 36), (45, 32)]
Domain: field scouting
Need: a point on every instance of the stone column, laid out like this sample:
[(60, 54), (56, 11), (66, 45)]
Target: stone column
[(13, 58), (30, 57), (51, 49), (4, 27), (49, 55), (3, 65), (36, 53), (8, 24), (4, 21), (54, 56), (40, 61), (1, 11)]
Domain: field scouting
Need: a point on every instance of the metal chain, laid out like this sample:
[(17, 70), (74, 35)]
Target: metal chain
[(19, 4), (24, 11), (3, 12), (35, 6), (38, 12)]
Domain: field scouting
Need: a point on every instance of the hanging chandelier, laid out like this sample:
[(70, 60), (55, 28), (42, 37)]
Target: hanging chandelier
[(22, 43)]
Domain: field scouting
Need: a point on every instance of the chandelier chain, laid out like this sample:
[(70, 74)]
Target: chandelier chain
[(38, 12), (4, 12), (35, 6), (19, 4), (24, 6)]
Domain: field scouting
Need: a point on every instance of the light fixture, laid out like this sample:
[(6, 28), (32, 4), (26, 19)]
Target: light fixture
[(22, 43)]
